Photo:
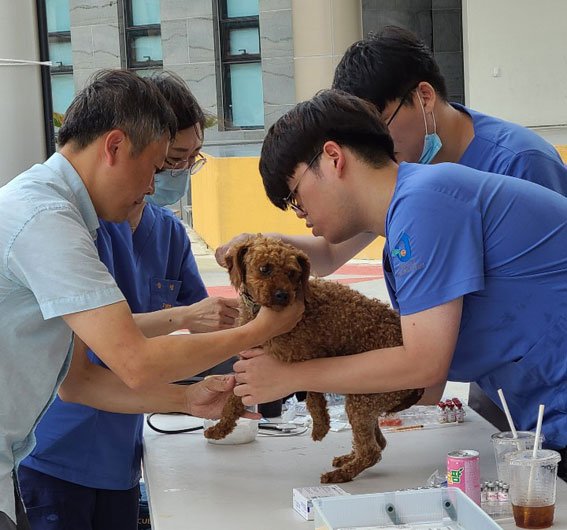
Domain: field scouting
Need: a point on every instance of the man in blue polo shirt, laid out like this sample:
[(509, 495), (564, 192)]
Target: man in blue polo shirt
[(52, 283), (478, 265)]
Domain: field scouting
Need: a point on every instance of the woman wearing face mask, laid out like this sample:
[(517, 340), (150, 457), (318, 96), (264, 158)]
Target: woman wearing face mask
[(85, 470)]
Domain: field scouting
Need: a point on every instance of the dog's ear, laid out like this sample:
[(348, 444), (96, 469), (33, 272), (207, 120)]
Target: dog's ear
[(303, 261), (235, 263)]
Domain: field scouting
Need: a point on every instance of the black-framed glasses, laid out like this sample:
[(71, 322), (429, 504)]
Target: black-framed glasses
[(291, 199), (402, 101), (197, 164)]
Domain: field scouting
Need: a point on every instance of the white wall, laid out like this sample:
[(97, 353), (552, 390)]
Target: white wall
[(515, 59), (22, 140)]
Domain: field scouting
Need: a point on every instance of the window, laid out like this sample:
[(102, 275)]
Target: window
[(143, 36), (60, 54), (243, 95)]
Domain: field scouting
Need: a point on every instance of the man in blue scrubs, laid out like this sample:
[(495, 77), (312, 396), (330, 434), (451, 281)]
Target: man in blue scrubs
[(85, 469), (478, 265), (397, 73), (115, 136)]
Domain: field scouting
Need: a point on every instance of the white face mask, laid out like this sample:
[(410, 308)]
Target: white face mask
[(431, 143), (170, 185)]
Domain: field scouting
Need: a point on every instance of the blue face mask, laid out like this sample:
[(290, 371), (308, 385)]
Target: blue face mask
[(431, 143), (170, 185)]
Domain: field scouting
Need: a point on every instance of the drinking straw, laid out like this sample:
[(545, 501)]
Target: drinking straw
[(534, 452), (507, 412), (538, 429)]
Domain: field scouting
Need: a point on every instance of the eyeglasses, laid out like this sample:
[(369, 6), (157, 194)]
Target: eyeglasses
[(291, 199), (402, 101), (197, 164)]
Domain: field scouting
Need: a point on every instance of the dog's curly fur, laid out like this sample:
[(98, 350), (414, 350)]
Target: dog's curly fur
[(337, 321)]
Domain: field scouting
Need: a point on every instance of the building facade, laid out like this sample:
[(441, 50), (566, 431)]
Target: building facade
[(247, 61)]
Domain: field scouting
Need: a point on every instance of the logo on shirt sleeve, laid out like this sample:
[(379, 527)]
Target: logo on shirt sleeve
[(402, 249)]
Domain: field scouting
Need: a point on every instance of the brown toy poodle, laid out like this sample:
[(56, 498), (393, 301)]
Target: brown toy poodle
[(337, 321)]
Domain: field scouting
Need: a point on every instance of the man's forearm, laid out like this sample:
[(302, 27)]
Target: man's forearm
[(100, 388), (142, 363), (174, 357), (325, 257), (160, 322), (370, 372)]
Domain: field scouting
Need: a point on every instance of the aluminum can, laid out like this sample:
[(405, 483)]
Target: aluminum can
[(463, 472)]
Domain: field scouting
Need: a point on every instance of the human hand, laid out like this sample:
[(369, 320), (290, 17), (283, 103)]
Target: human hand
[(211, 314), (262, 378), (220, 252), (207, 398), (277, 322)]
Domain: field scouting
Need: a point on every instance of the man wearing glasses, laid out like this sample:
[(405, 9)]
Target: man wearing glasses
[(150, 258), (478, 266), (397, 73)]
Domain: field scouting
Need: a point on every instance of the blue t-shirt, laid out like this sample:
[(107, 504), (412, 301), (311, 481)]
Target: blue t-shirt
[(506, 148), (501, 244), (155, 269)]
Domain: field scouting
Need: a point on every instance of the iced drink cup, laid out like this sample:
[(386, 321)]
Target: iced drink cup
[(532, 487), (505, 443)]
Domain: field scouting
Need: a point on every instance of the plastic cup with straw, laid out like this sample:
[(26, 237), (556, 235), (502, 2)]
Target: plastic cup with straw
[(533, 485)]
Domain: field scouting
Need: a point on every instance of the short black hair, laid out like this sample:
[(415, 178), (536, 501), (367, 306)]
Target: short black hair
[(182, 101), (118, 99), (388, 66), (299, 135)]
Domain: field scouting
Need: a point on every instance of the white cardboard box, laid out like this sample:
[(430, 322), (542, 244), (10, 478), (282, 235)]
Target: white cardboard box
[(303, 498), (419, 509)]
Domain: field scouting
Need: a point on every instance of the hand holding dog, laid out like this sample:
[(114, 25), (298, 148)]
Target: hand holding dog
[(207, 398), (211, 314), (277, 322), (261, 378), (220, 252)]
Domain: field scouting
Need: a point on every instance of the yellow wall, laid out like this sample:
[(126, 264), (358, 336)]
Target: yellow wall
[(228, 199)]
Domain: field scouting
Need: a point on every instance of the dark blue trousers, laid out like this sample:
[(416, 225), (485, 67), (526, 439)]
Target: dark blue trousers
[(54, 504)]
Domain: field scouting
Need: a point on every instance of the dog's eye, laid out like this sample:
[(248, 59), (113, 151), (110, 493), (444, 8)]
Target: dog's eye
[(266, 269), (292, 275)]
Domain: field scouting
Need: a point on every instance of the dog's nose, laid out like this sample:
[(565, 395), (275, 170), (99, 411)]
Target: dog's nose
[(281, 297)]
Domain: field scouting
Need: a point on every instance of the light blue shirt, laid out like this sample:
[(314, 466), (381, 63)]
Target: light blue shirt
[(49, 267), (155, 269)]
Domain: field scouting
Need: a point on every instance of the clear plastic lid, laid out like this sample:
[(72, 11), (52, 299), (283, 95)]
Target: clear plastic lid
[(543, 456), (508, 435)]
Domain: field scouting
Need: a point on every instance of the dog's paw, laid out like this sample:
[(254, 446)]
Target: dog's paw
[(217, 432), (340, 461), (336, 477)]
